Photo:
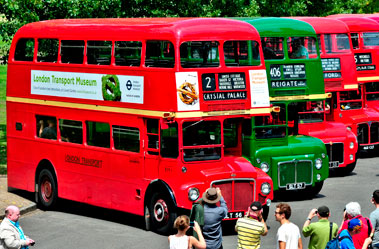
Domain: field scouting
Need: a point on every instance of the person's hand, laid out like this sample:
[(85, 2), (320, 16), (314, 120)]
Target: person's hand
[(219, 191), (344, 215), (196, 227), (29, 242), (41, 122), (312, 213)]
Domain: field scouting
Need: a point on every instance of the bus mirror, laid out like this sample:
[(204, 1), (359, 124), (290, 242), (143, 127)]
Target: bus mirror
[(275, 109)]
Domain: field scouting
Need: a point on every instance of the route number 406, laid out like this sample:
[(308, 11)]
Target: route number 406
[(275, 72)]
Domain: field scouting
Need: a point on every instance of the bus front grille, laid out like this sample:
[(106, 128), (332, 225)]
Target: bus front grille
[(238, 193), (335, 153), (374, 132), (295, 171), (363, 133)]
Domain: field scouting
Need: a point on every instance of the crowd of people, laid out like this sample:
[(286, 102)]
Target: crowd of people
[(355, 231)]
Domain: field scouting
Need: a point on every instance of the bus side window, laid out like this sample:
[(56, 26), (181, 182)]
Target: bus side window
[(126, 138), (98, 134), (46, 127), (99, 52), (169, 141), (72, 51), (47, 50), (355, 40), (24, 50), (152, 126), (160, 54), (128, 53), (71, 131)]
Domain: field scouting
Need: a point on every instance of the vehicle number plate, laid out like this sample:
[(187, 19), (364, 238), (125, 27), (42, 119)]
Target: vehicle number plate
[(294, 186), (369, 147), (334, 164), (235, 215)]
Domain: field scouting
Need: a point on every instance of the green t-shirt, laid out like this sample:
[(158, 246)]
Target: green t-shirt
[(319, 232)]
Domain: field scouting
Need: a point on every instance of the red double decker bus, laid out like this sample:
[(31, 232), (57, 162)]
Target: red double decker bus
[(340, 77), (130, 114), (360, 105)]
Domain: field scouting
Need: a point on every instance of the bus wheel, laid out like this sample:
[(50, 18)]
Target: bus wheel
[(349, 168), (47, 190), (162, 213), (317, 188)]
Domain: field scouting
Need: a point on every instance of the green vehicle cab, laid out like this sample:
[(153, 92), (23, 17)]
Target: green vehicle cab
[(294, 72)]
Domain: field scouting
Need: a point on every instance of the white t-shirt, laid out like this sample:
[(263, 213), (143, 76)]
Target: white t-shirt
[(179, 242), (290, 234)]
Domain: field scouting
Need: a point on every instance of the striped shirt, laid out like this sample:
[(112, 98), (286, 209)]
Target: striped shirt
[(249, 233)]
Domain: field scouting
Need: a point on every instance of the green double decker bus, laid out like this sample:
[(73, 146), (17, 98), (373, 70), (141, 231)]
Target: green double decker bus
[(294, 72)]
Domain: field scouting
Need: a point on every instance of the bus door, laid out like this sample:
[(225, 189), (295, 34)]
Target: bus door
[(151, 148)]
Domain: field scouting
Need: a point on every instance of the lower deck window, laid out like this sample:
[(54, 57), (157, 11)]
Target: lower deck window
[(46, 127), (98, 134)]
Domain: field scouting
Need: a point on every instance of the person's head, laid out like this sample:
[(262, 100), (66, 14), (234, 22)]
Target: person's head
[(283, 211), (50, 122), (255, 209), (182, 223), (353, 209), (323, 212), (375, 196), (354, 226), (12, 213), (211, 196)]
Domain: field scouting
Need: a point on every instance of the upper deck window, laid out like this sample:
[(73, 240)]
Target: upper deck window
[(72, 51), (355, 40), (301, 47), (99, 52), (273, 126), (241, 53), (199, 54), (160, 54), (128, 53), (336, 43), (371, 39), (351, 100), (272, 48), (47, 50), (24, 50), (311, 111)]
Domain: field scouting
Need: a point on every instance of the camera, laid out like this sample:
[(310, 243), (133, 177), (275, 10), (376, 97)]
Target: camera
[(316, 212), (192, 224), (32, 244)]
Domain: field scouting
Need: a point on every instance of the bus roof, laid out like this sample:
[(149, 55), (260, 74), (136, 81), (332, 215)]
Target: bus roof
[(324, 25), (142, 28), (276, 26), (358, 23)]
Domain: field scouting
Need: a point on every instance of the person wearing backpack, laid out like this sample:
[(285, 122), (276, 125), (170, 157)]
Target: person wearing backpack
[(353, 211), (374, 217), (354, 227), (322, 231)]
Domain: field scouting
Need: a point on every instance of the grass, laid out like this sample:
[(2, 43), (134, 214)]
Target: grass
[(3, 121)]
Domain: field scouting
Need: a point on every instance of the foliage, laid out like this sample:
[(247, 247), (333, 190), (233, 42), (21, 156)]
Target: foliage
[(20, 12), (3, 151)]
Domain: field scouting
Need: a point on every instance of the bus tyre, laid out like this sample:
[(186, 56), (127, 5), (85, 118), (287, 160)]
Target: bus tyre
[(349, 168), (162, 213), (47, 190), (317, 188)]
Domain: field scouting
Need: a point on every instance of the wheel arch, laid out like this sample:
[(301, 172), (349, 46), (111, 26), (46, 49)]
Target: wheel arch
[(159, 186), (44, 164)]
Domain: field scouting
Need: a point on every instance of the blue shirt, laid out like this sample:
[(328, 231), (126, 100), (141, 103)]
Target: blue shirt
[(213, 216), (346, 243), (302, 51), (22, 235)]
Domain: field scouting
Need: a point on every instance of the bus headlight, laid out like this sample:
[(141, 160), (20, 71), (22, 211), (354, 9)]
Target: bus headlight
[(348, 128), (351, 157), (265, 167), (265, 188), (351, 145), (193, 194), (318, 163)]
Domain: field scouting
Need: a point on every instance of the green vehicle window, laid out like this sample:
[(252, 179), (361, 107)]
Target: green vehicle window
[(301, 47), (273, 126), (272, 48)]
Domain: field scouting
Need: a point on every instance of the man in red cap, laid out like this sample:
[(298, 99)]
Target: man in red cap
[(213, 216), (251, 227)]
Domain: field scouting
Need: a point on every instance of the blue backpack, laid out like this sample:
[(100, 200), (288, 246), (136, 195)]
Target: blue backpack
[(334, 243)]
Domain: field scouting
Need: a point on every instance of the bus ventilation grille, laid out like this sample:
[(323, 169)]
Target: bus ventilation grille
[(226, 107)]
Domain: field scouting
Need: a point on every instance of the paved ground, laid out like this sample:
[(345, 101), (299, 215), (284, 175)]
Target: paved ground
[(13, 198)]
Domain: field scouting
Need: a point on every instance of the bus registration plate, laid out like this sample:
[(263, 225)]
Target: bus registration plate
[(235, 215), (369, 147), (334, 164), (294, 186)]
